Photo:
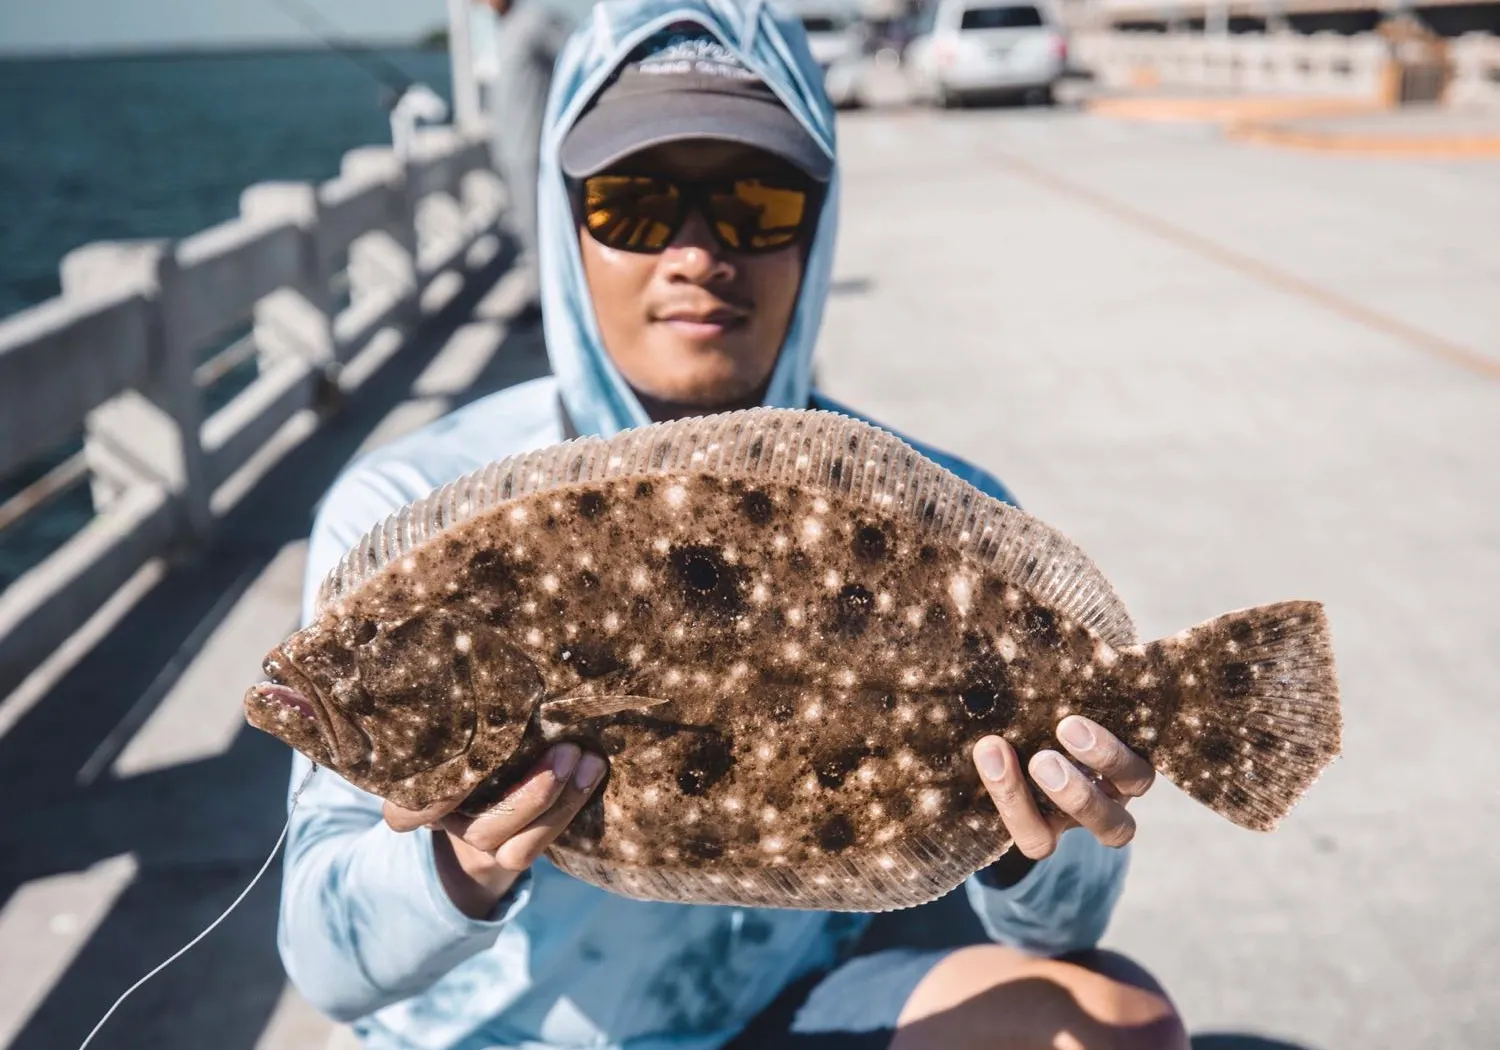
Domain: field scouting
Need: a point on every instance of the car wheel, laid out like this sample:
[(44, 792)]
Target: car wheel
[(948, 99), (1041, 96)]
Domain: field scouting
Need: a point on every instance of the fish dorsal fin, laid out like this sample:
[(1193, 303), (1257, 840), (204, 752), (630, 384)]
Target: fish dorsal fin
[(820, 449)]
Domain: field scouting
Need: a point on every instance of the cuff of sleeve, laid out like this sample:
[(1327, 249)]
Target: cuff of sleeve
[(443, 907)]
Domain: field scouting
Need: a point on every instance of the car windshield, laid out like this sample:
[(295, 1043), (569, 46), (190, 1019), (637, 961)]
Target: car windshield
[(1020, 17), (818, 24)]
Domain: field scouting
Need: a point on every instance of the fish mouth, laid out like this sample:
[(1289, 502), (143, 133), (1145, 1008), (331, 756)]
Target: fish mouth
[(288, 707)]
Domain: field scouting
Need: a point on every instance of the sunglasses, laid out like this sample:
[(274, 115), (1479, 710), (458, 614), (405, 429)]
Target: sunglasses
[(644, 213)]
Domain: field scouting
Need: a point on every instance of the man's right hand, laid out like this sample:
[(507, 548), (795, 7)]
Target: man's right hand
[(480, 858)]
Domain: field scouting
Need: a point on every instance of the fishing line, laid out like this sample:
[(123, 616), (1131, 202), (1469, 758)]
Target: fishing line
[(387, 74), (296, 796)]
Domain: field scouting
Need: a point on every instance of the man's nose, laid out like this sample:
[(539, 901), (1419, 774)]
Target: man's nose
[(694, 255)]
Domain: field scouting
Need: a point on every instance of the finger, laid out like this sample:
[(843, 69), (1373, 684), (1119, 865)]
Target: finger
[(525, 802), (522, 850), (411, 819), (1102, 751), (1110, 822), (1000, 770)]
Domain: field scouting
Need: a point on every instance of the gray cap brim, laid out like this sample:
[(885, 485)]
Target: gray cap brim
[(613, 130)]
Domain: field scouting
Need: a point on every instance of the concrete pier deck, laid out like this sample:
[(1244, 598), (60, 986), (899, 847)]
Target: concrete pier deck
[(1235, 374)]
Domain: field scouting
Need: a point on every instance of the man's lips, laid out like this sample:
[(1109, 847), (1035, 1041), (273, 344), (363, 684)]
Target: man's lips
[(703, 324)]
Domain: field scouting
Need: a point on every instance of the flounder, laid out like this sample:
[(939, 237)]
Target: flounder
[(786, 630)]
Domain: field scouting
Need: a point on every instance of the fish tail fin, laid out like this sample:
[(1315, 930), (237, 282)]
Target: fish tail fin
[(1259, 716)]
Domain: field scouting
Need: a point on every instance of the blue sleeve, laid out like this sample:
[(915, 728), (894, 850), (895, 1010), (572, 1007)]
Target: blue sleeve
[(364, 919), (1063, 904)]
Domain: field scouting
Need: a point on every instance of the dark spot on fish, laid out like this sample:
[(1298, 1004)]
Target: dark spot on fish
[(496, 716), (782, 709), (709, 584), (475, 761), (640, 608), (928, 553), (1041, 623), (643, 489), (986, 692), (589, 659), (869, 543), (757, 447), (929, 512), (558, 607), (702, 843), (1237, 796), (1218, 748), (453, 548), (853, 443), (851, 611), (550, 522), (973, 642), (1263, 740), (757, 507), (591, 504), (836, 471), (588, 581), (898, 806), (798, 561), (937, 616), (832, 768), (836, 834), (707, 762), (492, 571), (1029, 565), (1238, 678)]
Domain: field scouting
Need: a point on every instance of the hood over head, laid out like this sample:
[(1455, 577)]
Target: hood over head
[(770, 45)]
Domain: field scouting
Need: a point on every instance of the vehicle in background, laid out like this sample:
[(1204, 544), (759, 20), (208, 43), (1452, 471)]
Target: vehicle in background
[(836, 38), (968, 49)]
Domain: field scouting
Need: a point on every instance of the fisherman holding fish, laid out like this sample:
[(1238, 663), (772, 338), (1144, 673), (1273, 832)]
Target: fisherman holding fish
[(688, 202)]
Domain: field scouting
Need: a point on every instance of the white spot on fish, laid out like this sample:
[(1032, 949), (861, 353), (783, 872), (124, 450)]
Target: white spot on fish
[(876, 811), (765, 753), (732, 803), (629, 849), (905, 759), (1190, 679), (463, 643), (768, 815), (884, 602), (661, 544), (675, 495), (820, 506), (793, 652), (832, 580), (906, 713), (810, 785), (679, 632), (937, 714), (673, 677), (779, 542), (932, 801), (549, 583), (794, 615), (911, 676), (408, 565), (887, 863), (1104, 656), (651, 796), (773, 844), (813, 711), (739, 670), (759, 594), (1006, 646), (961, 590), (639, 579), (611, 622), (885, 835), (585, 560), (518, 513), (846, 677), (1146, 681), (812, 530), (866, 774), (637, 654), (915, 615)]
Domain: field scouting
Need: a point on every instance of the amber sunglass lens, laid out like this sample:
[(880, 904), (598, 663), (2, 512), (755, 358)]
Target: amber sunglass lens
[(633, 212), (753, 215)]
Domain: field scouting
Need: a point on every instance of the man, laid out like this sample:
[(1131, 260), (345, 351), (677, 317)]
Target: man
[(688, 197)]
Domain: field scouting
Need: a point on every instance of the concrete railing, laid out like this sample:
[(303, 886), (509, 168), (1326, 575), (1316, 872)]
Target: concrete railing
[(1325, 64), (121, 357), (1475, 61)]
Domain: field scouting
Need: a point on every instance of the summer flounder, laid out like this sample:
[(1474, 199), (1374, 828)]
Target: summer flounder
[(786, 630)]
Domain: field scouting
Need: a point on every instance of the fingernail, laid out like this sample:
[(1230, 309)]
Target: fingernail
[(991, 761), (1075, 732), (1049, 770), (564, 758), (590, 769)]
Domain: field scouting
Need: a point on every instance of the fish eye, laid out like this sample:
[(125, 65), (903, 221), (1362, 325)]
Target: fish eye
[(700, 572), (357, 632)]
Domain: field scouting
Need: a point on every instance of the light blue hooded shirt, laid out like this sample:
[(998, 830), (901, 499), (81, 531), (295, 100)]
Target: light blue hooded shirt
[(368, 934)]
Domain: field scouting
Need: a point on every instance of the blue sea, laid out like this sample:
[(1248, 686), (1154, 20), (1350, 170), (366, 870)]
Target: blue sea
[(161, 146)]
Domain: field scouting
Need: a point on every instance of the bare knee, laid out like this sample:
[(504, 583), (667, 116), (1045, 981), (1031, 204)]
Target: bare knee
[(993, 998)]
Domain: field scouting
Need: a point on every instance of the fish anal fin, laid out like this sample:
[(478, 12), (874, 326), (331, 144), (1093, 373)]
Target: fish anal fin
[(904, 873)]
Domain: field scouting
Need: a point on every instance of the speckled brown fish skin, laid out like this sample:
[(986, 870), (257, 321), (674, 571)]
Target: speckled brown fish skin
[(787, 684)]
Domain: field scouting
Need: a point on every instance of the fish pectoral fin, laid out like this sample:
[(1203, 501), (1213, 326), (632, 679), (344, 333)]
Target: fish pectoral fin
[(568, 710)]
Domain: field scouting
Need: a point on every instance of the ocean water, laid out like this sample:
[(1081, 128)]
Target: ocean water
[(121, 148)]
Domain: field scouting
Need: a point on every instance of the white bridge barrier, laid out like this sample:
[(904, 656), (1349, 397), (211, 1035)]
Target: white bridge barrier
[(119, 358), (1475, 62), (1325, 64)]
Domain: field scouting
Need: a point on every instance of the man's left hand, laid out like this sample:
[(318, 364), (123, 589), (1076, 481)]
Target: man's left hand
[(1082, 802)]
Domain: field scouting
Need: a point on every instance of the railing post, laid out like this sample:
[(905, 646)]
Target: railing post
[(386, 259), (151, 435), (296, 321)]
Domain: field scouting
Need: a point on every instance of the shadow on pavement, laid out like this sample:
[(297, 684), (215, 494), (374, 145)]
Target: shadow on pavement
[(1234, 1041), (197, 830)]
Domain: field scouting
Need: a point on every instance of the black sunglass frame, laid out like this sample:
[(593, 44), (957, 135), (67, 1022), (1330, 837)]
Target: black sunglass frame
[(693, 194)]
